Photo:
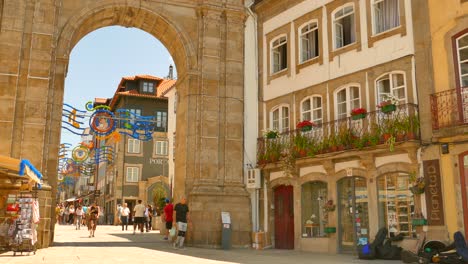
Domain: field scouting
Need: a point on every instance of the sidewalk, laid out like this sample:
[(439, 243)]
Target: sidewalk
[(113, 246)]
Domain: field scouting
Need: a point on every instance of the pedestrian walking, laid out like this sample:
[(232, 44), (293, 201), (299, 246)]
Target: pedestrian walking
[(85, 214), (139, 219), (148, 217), (168, 215), (181, 218), (119, 214), (78, 217), (124, 216), (66, 214), (62, 214), (57, 214), (71, 214), (93, 218)]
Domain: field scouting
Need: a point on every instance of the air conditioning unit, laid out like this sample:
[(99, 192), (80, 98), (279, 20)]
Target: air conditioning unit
[(253, 179)]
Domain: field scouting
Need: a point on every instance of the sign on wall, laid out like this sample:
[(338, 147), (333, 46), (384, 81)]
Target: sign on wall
[(434, 202)]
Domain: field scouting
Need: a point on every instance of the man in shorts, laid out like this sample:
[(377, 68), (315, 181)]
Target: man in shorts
[(139, 219), (181, 216)]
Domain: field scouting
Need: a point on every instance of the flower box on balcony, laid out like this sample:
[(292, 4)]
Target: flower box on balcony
[(358, 116), (305, 125), (388, 108)]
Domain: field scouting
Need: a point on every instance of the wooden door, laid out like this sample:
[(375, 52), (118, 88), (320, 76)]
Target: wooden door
[(284, 217), (463, 162)]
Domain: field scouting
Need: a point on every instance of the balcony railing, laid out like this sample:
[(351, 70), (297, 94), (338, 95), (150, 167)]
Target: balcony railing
[(375, 128), (449, 108)]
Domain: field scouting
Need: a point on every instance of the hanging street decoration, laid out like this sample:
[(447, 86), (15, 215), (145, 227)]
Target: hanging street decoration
[(73, 119), (140, 127)]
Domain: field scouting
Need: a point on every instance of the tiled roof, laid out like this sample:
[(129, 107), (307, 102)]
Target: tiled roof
[(98, 100), (163, 86)]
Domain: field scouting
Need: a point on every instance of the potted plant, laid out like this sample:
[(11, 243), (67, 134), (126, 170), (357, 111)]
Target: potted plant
[(389, 103), (305, 125), (418, 184), (270, 134), (358, 113), (419, 220)]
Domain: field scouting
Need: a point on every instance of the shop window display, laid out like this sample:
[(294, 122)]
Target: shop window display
[(314, 197), (396, 204)]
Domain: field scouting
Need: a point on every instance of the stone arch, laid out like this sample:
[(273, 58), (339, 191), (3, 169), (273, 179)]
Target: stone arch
[(357, 172), (313, 176), (396, 167), (123, 13), (283, 181)]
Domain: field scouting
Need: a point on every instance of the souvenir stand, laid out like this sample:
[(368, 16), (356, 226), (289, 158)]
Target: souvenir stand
[(19, 205)]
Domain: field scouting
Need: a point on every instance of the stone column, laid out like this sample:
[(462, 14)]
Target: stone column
[(218, 178)]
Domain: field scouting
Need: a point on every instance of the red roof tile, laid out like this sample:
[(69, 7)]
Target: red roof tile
[(163, 85)]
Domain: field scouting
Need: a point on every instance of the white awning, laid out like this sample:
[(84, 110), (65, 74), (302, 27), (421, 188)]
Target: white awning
[(71, 199)]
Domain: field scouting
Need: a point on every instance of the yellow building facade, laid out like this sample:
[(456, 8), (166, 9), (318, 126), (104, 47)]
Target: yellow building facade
[(448, 142)]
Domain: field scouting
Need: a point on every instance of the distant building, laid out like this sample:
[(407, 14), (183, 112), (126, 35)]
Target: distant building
[(140, 169)]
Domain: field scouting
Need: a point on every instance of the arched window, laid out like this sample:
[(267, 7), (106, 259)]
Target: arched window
[(396, 203), (279, 54), (391, 84), (462, 60), (347, 98), (344, 26), (279, 117), (311, 109), (308, 41), (314, 196), (385, 14)]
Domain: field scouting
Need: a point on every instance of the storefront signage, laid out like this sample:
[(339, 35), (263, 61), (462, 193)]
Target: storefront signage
[(157, 161), (434, 202)]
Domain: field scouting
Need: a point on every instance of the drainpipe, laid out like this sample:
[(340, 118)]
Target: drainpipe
[(255, 195)]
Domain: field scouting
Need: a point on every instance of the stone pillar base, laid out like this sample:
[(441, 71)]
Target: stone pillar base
[(46, 225), (206, 205)]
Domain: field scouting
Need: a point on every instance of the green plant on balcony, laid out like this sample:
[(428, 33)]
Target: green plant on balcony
[(273, 150), (288, 161), (301, 144), (358, 113), (271, 134), (388, 104)]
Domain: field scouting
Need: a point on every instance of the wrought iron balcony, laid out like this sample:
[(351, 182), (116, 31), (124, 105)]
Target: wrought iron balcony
[(371, 129), (449, 108)]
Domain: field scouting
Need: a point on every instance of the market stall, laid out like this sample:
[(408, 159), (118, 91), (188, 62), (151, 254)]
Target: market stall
[(19, 205)]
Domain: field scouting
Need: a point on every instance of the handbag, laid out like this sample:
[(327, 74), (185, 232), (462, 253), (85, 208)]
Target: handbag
[(172, 232)]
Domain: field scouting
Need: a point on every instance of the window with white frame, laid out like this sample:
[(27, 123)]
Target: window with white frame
[(347, 99), (386, 15), (309, 41), (344, 26), (133, 174), (161, 120), (462, 54), (148, 87), (279, 54), (161, 147), (280, 119), (133, 145), (311, 109), (391, 84)]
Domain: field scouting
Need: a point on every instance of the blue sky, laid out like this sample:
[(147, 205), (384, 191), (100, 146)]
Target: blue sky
[(103, 57)]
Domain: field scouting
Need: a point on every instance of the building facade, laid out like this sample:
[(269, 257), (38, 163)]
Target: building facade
[(338, 139), (141, 167), (446, 132)]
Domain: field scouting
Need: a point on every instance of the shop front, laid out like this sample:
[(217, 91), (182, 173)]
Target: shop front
[(336, 203), (19, 205)]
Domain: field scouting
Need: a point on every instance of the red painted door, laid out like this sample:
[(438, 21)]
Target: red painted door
[(463, 162), (284, 217)]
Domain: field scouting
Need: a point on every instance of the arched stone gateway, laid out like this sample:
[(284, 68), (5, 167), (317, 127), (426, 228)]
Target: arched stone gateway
[(205, 39)]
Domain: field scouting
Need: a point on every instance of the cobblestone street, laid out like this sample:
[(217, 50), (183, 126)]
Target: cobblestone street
[(111, 245)]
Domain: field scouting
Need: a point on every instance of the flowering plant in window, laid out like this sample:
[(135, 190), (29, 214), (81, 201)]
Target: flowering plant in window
[(305, 125), (388, 103), (271, 133), (418, 183), (358, 113), (329, 206)]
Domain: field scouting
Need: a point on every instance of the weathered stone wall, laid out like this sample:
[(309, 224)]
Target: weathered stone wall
[(204, 38)]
